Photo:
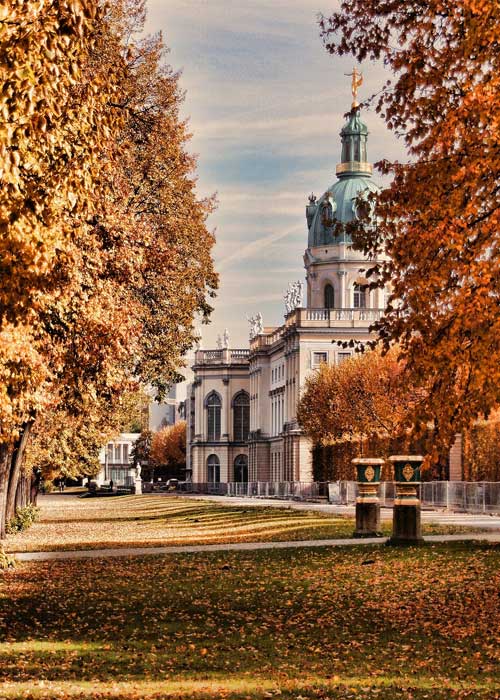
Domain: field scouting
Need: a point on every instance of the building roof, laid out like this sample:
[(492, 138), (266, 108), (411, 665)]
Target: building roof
[(338, 204)]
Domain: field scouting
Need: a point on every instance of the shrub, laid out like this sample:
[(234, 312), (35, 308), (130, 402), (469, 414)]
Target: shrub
[(6, 561), (23, 519)]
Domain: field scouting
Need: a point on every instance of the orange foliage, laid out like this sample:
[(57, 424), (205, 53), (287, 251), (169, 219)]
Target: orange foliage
[(105, 250), (440, 217), (169, 445), (364, 397), (481, 450)]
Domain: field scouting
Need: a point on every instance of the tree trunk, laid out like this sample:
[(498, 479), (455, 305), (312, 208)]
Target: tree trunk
[(22, 492), (33, 487), (5, 461), (15, 471)]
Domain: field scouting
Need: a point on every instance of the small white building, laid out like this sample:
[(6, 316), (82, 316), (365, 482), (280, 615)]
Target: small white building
[(116, 461)]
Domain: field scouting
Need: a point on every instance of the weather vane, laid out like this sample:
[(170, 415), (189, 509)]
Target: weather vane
[(357, 80)]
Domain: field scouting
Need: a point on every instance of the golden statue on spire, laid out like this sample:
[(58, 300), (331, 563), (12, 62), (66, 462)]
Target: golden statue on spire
[(357, 80)]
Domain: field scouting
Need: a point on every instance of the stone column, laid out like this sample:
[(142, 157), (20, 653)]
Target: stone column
[(367, 503), (342, 280), (406, 526)]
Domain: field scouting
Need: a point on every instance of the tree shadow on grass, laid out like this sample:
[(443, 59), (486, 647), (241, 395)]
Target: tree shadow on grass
[(356, 616)]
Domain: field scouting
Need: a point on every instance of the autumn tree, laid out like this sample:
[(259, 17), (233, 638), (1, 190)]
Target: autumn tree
[(130, 265), (141, 449), (168, 447), (439, 219), (364, 402), (481, 450), (51, 136), (68, 444)]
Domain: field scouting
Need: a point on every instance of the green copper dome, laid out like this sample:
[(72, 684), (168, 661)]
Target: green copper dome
[(338, 204)]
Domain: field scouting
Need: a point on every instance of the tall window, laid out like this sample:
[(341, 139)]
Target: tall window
[(213, 404), (213, 469), (359, 297), (241, 416), (241, 469), (329, 297)]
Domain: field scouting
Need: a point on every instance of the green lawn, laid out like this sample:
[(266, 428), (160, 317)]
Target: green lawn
[(128, 521), (370, 622)]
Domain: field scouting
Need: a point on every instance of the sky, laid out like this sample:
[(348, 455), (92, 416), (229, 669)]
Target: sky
[(265, 103)]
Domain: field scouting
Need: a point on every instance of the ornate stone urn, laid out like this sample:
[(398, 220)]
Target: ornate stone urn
[(406, 526), (367, 502)]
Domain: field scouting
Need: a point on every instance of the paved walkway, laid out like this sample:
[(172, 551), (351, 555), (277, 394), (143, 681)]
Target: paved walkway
[(239, 547), (441, 516)]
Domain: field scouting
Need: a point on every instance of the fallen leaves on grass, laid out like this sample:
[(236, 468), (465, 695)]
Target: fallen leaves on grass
[(129, 521), (419, 623)]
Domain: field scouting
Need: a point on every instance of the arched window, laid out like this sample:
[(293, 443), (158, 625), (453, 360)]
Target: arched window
[(241, 416), (241, 469), (213, 469), (359, 297), (213, 403), (329, 297)]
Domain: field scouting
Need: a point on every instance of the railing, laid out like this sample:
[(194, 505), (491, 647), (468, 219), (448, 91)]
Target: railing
[(211, 354), (296, 490), (471, 497), (219, 488), (343, 314), (240, 354), (222, 356)]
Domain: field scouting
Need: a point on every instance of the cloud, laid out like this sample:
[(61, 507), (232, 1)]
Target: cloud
[(266, 104), (251, 249)]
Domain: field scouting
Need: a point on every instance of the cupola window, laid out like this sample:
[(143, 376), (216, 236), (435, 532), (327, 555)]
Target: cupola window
[(329, 297), (359, 297)]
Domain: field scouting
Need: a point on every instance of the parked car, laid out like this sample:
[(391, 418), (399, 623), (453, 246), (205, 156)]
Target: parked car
[(172, 484)]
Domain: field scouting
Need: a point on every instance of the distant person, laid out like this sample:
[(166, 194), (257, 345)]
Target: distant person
[(111, 484)]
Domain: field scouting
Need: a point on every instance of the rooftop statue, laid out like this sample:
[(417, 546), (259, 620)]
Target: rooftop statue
[(294, 296), (256, 325), (356, 82)]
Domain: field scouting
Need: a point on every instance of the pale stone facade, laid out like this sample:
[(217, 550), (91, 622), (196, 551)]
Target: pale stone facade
[(339, 309), (217, 409)]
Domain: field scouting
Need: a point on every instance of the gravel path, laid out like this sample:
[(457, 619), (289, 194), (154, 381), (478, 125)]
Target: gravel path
[(239, 547)]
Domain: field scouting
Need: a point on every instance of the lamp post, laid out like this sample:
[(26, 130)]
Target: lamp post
[(406, 526), (367, 502)]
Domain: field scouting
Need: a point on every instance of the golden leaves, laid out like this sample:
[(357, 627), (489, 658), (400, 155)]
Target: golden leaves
[(104, 248), (415, 624), (168, 446), (440, 217), (367, 395)]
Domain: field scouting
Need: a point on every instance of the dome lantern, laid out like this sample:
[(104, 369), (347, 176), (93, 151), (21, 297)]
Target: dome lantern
[(338, 203)]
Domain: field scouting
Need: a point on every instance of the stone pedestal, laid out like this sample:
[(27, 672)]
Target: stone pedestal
[(367, 501), (138, 486), (406, 527)]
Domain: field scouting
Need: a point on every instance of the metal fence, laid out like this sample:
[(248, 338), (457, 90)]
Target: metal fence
[(472, 497), (298, 490)]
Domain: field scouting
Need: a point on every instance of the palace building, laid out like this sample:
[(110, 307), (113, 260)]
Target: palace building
[(241, 407)]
